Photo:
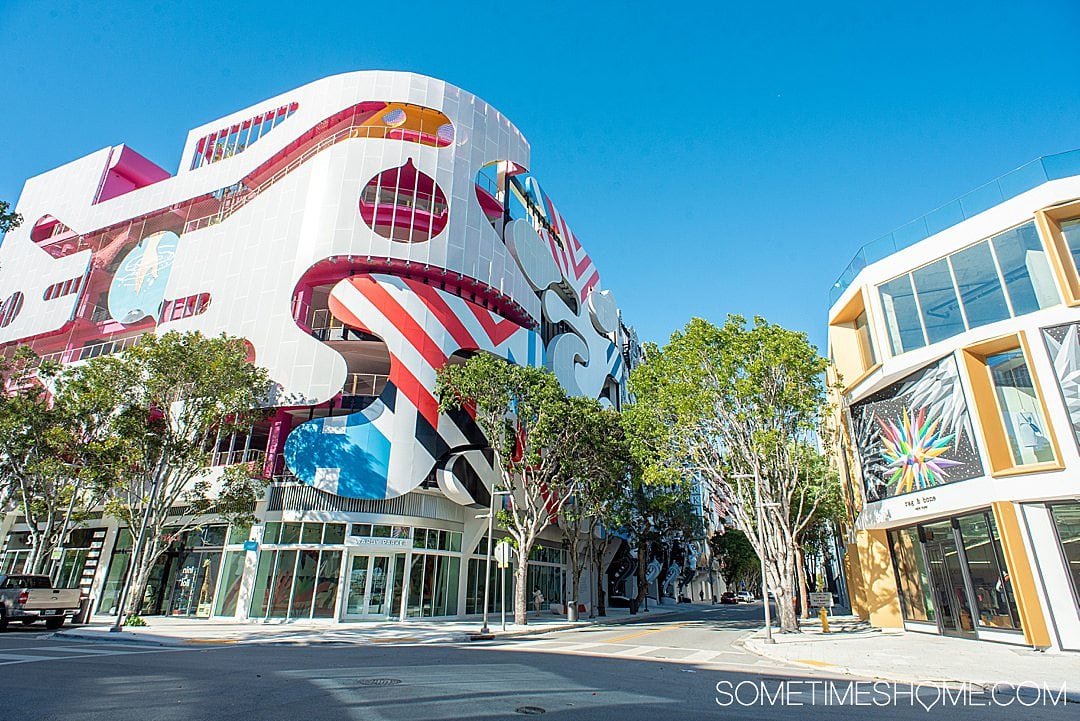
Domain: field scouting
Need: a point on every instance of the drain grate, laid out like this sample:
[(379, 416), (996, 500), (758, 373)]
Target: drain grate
[(379, 681), (530, 710)]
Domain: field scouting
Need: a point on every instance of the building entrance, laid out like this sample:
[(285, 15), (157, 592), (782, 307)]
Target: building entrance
[(947, 578), (373, 588)]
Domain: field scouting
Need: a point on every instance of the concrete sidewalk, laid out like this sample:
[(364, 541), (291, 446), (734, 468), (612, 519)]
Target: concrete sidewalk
[(170, 631), (853, 647)]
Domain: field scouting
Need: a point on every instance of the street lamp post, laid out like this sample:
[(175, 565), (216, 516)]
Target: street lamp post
[(487, 570), (761, 554)]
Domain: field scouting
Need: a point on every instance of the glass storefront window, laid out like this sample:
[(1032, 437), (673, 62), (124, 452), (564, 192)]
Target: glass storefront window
[(326, 589), (1021, 411), (979, 284), (304, 581), (290, 533), (260, 594), (1070, 230), (335, 533), (232, 575), (272, 533), (915, 596), (312, 533), (990, 581), (1028, 279), (938, 302), (1067, 522), (239, 534), (362, 530), (901, 315)]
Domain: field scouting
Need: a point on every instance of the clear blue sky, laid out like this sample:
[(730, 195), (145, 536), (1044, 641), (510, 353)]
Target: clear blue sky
[(714, 157)]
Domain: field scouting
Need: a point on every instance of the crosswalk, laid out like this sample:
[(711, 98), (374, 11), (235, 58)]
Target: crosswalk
[(621, 649), (72, 650)]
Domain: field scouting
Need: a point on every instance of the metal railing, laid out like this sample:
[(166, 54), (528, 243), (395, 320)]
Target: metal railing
[(1010, 185), (239, 455), (364, 384), (107, 347)]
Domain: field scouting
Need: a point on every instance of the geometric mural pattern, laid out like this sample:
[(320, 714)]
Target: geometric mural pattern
[(1063, 344), (915, 434)]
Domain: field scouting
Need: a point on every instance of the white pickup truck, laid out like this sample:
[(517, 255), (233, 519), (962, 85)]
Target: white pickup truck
[(27, 598)]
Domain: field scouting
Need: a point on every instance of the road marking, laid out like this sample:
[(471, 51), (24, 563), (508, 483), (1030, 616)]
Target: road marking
[(811, 662), (210, 640), (396, 639), (645, 633)]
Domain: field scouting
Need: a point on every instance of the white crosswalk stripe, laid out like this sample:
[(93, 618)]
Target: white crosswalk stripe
[(725, 657), (68, 652)]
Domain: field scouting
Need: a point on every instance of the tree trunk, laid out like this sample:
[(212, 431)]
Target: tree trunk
[(575, 581), (643, 585), (521, 578), (804, 597)]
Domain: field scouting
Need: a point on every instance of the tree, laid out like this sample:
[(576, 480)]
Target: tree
[(596, 464), (171, 395), (814, 534), (736, 557), (738, 407), (49, 441), (9, 219), (522, 412)]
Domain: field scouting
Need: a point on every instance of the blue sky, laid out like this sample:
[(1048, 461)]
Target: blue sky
[(714, 157)]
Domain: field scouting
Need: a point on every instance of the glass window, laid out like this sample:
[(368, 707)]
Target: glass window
[(1024, 266), (1067, 522), (290, 533), (420, 538), (937, 300), (1070, 230), (260, 594), (901, 315), (232, 575), (990, 579), (915, 596), (327, 585), (1021, 412), (304, 581), (335, 533), (239, 534), (361, 529), (455, 541), (867, 355), (312, 533), (273, 531), (380, 531), (281, 588), (979, 284)]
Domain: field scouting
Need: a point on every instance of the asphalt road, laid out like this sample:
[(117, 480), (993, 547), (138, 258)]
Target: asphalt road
[(683, 666)]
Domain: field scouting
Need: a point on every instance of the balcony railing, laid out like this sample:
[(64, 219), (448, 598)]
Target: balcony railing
[(106, 347), (364, 384), (240, 455), (1010, 185)]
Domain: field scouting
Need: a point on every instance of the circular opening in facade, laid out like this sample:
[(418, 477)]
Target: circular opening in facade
[(395, 118)]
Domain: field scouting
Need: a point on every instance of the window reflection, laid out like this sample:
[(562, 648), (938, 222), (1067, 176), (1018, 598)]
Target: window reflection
[(1021, 411), (990, 580)]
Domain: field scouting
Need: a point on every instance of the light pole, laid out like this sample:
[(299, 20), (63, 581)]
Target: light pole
[(761, 551), (487, 570)]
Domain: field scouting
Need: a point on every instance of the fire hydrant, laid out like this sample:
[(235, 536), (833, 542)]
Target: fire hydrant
[(824, 616)]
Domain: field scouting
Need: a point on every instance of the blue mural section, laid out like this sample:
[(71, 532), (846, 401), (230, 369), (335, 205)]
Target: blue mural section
[(138, 287), (347, 454)]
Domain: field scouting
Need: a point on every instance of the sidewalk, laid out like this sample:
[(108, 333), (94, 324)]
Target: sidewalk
[(854, 647), (173, 631)]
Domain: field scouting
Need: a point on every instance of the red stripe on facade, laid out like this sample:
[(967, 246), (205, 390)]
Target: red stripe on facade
[(414, 390), (401, 320)]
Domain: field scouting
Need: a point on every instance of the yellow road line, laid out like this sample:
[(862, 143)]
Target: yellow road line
[(811, 662), (645, 633)]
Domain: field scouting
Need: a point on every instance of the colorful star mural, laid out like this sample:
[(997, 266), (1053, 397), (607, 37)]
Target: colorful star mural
[(913, 451)]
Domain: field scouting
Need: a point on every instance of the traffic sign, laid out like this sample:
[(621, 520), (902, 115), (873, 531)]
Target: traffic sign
[(503, 553)]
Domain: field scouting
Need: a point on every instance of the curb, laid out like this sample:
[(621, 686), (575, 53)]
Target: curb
[(991, 687), (127, 637)]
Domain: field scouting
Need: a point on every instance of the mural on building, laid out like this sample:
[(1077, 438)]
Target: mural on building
[(915, 434), (1063, 343)]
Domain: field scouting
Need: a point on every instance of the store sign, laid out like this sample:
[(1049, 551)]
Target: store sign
[(251, 545), (378, 542)]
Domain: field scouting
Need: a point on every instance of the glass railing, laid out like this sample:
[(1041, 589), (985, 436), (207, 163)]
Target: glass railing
[(1024, 178)]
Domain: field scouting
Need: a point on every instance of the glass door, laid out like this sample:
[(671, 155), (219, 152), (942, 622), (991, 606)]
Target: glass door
[(370, 588), (950, 589)]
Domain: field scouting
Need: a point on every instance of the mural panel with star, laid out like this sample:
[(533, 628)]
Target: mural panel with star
[(915, 434)]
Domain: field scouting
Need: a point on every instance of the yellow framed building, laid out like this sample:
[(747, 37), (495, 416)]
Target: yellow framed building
[(955, 344)]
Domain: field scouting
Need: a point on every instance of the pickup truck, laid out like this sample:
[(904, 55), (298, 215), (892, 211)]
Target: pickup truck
[(26, 598)]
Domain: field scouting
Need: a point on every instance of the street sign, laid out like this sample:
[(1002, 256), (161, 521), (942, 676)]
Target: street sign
[(503, 553), (251, 545), (821, 600)]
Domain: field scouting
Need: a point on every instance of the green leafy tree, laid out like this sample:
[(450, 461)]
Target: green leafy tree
[(9, 219), (526, 417), (738, 406), (596, 464), (738, 561), (171, 395)]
